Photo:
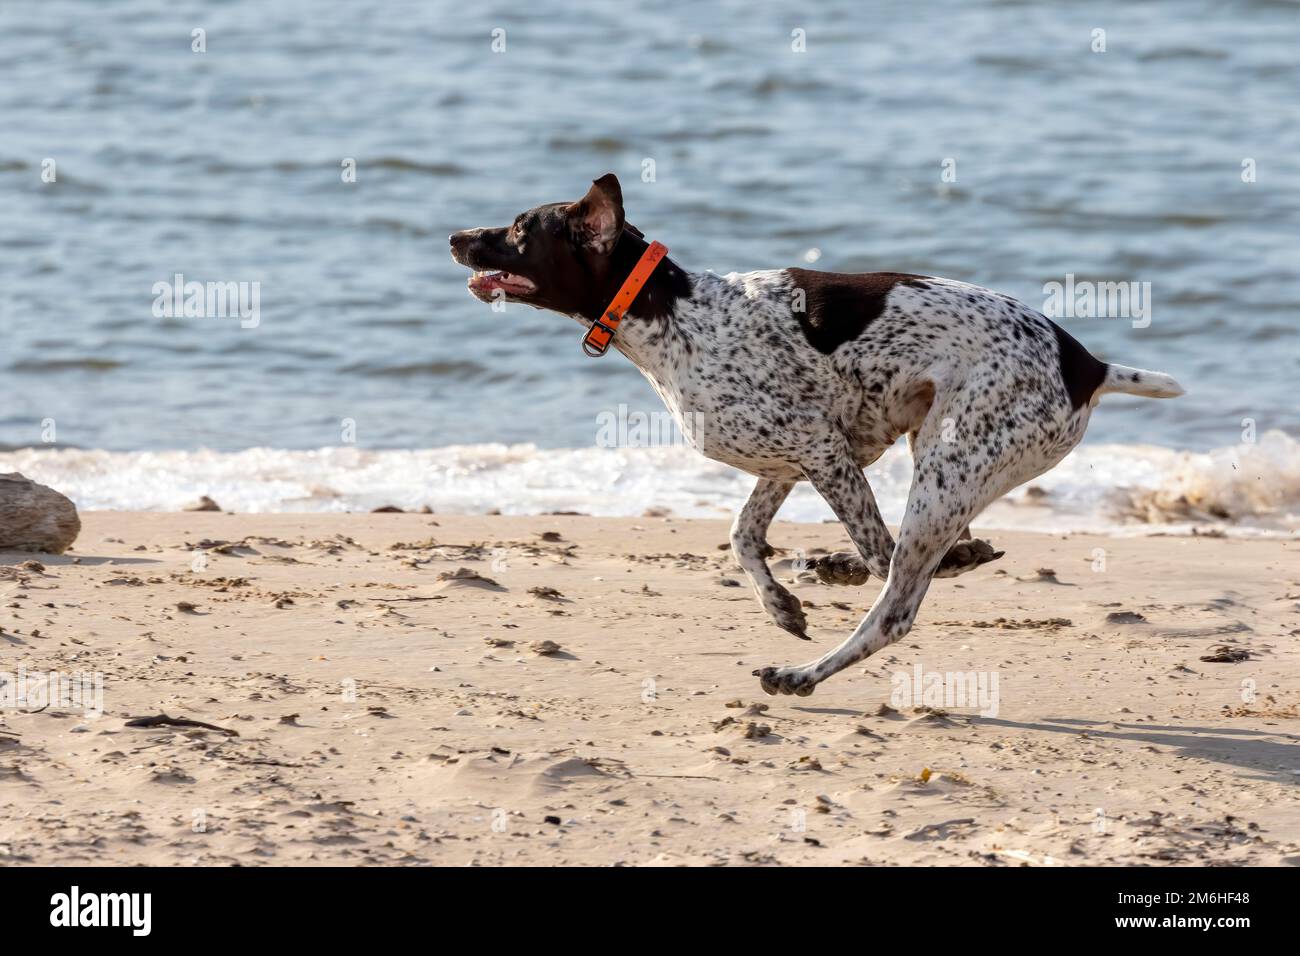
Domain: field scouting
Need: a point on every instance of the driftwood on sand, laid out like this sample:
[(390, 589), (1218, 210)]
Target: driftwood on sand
[(163, 720)]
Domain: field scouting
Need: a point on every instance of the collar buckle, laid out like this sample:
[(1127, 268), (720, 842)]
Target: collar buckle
[(596, 343)]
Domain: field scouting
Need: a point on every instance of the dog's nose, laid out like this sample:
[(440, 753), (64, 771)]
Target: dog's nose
[(460, 244)]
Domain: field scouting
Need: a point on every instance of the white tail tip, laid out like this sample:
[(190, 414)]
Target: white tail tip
[(1138, 381)]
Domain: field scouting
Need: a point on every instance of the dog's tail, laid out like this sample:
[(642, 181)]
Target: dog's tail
[(1138, 381)]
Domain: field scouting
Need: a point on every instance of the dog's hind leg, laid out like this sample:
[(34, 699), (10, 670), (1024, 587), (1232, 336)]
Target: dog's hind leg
[(749, 542), (954, 480), (840, 481), (969, 552)]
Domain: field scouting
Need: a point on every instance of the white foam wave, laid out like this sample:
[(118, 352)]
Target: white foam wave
[(1248, 489)]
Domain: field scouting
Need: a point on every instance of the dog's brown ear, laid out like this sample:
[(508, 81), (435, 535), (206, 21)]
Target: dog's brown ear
[(596, 219)]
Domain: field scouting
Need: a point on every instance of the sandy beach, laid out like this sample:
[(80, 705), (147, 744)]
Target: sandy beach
[(380, 690)]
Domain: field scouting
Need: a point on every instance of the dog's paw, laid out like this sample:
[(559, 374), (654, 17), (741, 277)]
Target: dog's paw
[(966, 555), (786, 680), (786, 611), (842, 567)]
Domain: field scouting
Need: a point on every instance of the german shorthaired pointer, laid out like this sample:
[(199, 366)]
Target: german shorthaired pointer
[(810, 376)]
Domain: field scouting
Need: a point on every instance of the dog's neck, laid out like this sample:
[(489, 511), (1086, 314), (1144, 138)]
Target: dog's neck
[(653, 321), (657, 298)]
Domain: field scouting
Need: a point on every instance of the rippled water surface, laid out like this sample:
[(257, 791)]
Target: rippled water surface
[(1124, 165)]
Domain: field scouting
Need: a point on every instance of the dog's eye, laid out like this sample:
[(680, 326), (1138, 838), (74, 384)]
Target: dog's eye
[(516, 235)]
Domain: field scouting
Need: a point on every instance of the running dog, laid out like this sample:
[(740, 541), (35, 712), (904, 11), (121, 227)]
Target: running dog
[(811, 376)]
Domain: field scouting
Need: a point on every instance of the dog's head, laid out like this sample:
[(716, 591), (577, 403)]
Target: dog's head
[(557, 256)]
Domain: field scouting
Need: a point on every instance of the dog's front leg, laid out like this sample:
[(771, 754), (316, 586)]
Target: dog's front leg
[(749, 542), (840, 481)]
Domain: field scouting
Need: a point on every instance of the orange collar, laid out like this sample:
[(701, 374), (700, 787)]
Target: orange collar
[(601, 334)]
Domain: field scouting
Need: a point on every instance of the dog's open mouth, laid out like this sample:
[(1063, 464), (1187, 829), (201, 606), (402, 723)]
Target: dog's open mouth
[(485, 284)]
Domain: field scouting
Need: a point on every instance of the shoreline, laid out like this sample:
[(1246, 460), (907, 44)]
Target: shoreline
[(1245, 490), (391, 708)]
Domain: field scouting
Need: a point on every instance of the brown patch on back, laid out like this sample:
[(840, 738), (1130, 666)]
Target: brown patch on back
[(838, 306)]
